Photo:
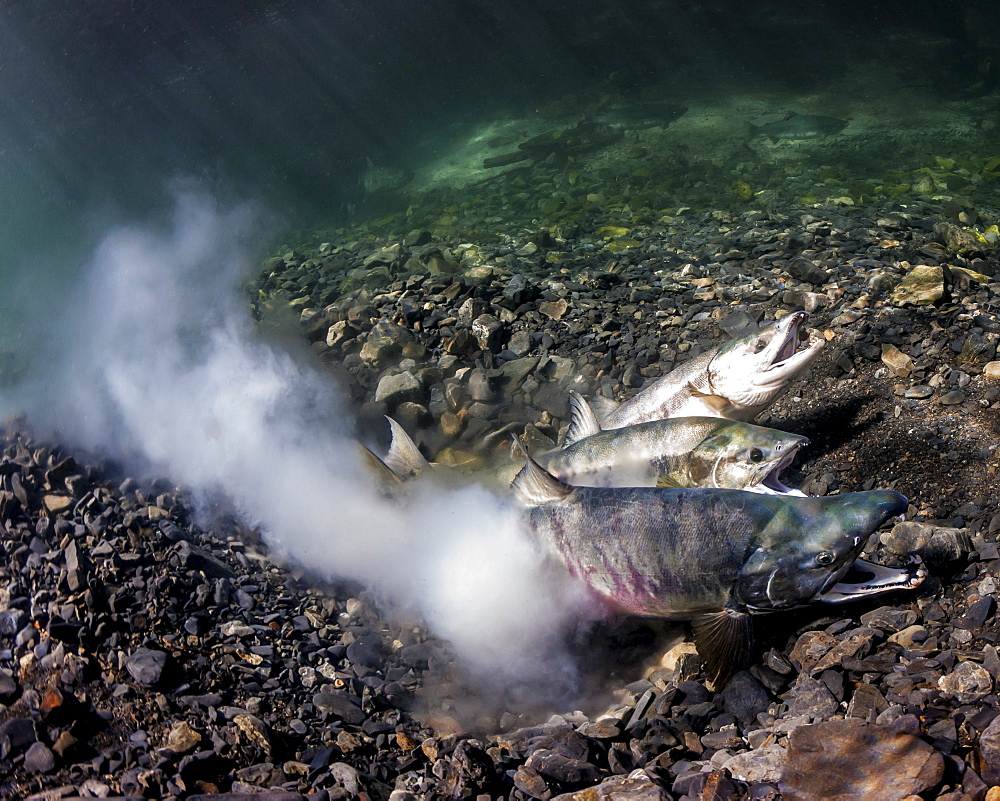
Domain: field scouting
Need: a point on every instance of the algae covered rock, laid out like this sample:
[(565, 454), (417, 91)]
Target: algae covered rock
[(922, 286), (963, 241)]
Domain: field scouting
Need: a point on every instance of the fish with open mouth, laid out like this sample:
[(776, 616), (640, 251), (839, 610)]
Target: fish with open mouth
[(679, 452), (715, 557), (736, 380)]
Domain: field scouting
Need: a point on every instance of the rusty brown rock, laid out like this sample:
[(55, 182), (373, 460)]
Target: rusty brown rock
[(847, 760), (555, 309)]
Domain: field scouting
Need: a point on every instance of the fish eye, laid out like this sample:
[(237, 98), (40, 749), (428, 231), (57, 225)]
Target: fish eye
[(759, 345), (756, 455), (825, 558)]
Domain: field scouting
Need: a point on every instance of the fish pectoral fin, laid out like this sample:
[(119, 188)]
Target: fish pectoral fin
[(716, 403), (725, 643), (667, 481), (582, 420), (404, 458)]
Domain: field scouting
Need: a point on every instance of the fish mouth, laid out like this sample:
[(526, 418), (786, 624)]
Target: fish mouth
[(771, 483), (882, 579), (787, 359)]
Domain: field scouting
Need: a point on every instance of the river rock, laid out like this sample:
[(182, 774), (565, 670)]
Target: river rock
[(182, 739), (809, 696), (854, 761), (935, 544), (486, 329), (922, 286), (636, 786), (898, 362), (967, 683), (146, 666), (395, 389), (39, 758), (16, 735), (989, 752)]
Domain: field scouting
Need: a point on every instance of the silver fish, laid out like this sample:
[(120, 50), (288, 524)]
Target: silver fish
[(679, 452), (736, 380), (376, 178), (715, 557), (641, 115), (802, 126)]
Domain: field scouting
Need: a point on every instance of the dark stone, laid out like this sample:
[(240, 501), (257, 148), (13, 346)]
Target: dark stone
[(744, 697), (417, 237), (809, 696), (39, 759), (8, 687), (12, 621), (16, 735), (340, 704), (738, 324), (466, 773), (269, 796), (989, 749), (366, 651), (194, 558), (146, 666), (416, 656), (531, 783), (520, 290)]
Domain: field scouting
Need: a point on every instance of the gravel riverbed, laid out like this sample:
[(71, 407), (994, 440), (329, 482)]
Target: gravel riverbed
[(143, 655)]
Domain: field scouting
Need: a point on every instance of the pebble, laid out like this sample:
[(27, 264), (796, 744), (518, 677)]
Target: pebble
[(636, 786), (396, 389), (760, 765), (967, 683), (146, 666), (39, 759)]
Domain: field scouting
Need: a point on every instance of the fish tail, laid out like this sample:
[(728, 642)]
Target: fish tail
[(384, 474), (536, 486), (404, 458)]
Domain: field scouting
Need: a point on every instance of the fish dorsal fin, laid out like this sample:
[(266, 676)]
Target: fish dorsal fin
[(383, 474), (536, 486), (404, 458), (582, 420), (667, 481), (602, 407), (725, 643)]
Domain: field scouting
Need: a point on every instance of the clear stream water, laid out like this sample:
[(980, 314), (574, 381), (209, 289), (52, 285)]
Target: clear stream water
[(152, 152)]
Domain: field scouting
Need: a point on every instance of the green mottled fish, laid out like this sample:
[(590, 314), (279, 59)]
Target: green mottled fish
[(715, 557), (679, 452), (736, 380)]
